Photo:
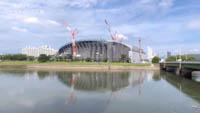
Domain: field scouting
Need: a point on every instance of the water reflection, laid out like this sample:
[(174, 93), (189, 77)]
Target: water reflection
[(189, 87), (95, 81), (100, 92), (196, 76)]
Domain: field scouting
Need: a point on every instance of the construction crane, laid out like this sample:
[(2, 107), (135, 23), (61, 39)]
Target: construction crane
[(140, 49), (109, 30), (73, 33)]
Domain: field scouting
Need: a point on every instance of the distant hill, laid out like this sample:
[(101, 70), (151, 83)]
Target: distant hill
[(197, 56)]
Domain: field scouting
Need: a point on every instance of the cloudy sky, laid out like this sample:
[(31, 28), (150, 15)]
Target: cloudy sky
[(162, 24)]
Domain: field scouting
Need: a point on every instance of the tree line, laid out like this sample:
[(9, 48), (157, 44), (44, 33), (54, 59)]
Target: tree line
[(22, 57), (182, 57), (16, 57), (175, 58), (45, 58)]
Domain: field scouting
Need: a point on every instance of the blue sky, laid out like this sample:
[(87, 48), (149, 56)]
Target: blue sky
[(165, 25)]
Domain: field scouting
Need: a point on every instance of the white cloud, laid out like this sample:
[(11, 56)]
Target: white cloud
[(44, 22), (140, 18), (52, 22), (166, 3), (152, 6), (19, 29), (32, 20), (146, 1), (57, 3), (194, 25), (82, 3)]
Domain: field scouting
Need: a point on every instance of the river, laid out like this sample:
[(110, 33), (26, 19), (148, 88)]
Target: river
[(138, 91)]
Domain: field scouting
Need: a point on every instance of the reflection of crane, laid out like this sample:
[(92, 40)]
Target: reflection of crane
[(109, 30), (109, 100), (73, 33), (113, 94), (72, 97), (141, 80)]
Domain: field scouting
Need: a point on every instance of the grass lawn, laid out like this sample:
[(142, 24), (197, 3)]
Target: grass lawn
[(71, 63)]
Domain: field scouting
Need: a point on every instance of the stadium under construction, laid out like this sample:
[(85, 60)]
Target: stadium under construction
[(99, 50)]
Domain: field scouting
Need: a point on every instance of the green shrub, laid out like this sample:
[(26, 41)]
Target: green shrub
[(88, 59), (155, 59), (43, 58), (124, 58), (105, 60)]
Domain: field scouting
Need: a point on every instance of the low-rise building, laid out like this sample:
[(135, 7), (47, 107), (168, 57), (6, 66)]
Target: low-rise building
[(34, 51)]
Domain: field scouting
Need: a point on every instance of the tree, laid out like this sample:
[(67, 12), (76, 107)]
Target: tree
[(171, 58), (19, 57), (155, 59), (1, 57), (43, 58), (7, 57), (124, 58), (30, 58), (88, 59), (105, 60)]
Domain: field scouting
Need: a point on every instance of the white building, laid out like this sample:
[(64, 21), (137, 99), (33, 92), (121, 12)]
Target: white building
[(149, 53), (134, 55), (33, 51)]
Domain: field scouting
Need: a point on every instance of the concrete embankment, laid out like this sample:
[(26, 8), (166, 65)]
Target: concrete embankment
[(64, 67), (79, 67)]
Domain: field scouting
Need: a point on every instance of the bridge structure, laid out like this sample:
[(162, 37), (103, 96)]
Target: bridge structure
[(182, 68)]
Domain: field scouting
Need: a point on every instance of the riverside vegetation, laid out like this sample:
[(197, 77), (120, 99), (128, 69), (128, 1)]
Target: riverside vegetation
[(20, 59)]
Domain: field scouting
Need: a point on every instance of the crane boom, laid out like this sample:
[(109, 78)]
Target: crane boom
[(109, 30)]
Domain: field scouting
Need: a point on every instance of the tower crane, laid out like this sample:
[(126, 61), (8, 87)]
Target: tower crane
[(73, 33)]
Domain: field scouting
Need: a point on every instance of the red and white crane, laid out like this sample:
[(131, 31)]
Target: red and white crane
[(73, 33), (109, 30), (115, 36)]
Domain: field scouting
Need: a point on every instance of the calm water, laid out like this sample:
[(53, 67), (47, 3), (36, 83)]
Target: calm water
[(23, 91)]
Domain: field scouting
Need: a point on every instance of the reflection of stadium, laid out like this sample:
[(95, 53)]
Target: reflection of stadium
[(100, 50), (97, 81), (102, 81)]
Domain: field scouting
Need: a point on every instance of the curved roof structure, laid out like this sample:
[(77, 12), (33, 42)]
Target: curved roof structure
[(99, 50), (95, 41)]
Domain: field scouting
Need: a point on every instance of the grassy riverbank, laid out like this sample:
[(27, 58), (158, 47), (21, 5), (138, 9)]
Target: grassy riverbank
[(71, 63)]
